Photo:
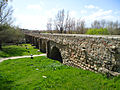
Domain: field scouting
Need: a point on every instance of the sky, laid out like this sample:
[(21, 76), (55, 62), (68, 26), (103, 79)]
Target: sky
[(34, 14)]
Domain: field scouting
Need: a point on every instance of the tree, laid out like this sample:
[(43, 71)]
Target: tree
[(7, 0), (49, 24), (69, 24), (114, 27), (64, 22), (8, 33), (59, 20), (5, 19), (5, 13), (96, 24), (103, 23), (80, 26), (18, 35)]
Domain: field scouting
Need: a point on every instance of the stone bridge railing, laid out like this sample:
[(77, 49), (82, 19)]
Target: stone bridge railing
[(90, 52)]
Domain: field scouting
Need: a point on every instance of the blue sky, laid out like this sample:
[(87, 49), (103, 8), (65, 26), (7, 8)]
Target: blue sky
[(33, 14)]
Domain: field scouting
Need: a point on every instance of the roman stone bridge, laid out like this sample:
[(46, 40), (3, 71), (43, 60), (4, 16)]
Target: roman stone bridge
[(89, 52)]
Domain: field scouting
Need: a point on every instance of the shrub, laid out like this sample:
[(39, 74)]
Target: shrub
[(101, 31)]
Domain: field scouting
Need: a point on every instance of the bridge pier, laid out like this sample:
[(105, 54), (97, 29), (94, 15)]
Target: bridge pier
[(36, 43), (42, 45)]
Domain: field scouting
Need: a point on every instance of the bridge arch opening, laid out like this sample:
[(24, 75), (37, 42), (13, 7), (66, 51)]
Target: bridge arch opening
[(42, 46), (48, 49), (56, 55)]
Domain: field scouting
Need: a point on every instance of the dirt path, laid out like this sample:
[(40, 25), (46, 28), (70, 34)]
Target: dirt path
[(17, 57)]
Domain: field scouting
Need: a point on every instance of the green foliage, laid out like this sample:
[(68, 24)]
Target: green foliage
[(42, 73), (95, 31), (20, 50), (8, 34), (18, 35)]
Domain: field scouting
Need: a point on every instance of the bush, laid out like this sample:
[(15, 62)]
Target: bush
[(100, 31)]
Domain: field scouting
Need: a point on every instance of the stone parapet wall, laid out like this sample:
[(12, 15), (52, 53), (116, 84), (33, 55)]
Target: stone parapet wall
[(91, 52)]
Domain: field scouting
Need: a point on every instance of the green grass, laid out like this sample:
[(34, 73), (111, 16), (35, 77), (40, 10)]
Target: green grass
[(29, 74), (14, 50)]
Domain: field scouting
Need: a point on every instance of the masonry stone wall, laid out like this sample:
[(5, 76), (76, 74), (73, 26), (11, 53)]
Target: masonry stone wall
[(94, 53)]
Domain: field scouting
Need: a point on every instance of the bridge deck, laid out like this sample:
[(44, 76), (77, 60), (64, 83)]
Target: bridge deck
[(79, 35)]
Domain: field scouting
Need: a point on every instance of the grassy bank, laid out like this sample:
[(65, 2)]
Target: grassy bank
[(14, 50), (43, 73)]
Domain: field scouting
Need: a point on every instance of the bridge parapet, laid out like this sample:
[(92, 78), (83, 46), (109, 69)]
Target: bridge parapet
[(91, 52)]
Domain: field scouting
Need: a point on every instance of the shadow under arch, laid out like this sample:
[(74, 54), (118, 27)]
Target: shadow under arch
[(56, 55), (42, 46)]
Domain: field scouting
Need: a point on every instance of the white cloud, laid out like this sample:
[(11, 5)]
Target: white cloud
[(31, 22), (117, 12), (35, 21), (83, 11), (52, 12), (34, 7), (99, 15), (91, 7), (73, 13)]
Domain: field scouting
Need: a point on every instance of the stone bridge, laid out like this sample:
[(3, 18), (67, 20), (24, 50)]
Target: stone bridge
[(89, 52)]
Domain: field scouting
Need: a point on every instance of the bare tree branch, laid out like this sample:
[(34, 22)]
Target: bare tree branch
[(5, 13)]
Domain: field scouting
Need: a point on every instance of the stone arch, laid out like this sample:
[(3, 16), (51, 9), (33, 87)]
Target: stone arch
[(56, 54)]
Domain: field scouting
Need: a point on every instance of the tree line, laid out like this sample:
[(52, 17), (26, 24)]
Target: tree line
[(64, 23), (8, 32)]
